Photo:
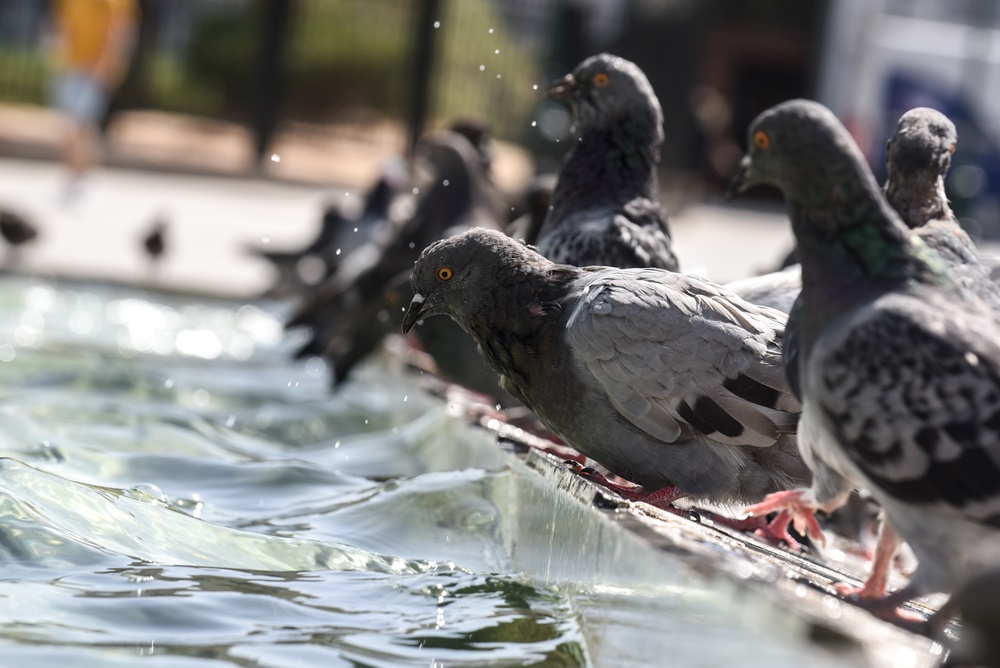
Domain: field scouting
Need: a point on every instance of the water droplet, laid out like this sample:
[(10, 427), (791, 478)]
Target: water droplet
[(405, 397), (201, 398), (168, 383), (499, 76), (412, 245), (534, 123), (498, 406), (336, 445), (275, 157), (445, 182), (416, 191), (366, 420), (231, 421), (338, 251), (491, 31), (437, 24), (355, 229), (347, 194), (497, 52), (265, 239), (482, 68), (535, 87)]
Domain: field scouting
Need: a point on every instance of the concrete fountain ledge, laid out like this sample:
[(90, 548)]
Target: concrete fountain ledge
[(595, 537)]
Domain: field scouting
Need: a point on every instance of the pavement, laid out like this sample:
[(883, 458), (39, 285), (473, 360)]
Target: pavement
[(197, 175)]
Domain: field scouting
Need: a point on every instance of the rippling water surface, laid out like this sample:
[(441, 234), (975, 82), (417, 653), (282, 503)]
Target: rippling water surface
[(174, 488)]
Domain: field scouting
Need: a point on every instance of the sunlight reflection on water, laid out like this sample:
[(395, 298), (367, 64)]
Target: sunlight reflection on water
[(174, 486)]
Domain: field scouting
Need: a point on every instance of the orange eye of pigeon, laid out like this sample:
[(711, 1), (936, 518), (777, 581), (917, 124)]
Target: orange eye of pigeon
[(761, 140), (601, 80), (445, 273), (951, 149)]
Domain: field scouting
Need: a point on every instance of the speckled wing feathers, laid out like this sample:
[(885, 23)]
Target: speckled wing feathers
[(607, 236), (923, 423), (676, 355)]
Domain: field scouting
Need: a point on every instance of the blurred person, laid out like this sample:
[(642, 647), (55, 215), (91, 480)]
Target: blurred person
[(93, 43)]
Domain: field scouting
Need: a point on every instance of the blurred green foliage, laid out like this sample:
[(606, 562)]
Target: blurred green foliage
[(23, 76)]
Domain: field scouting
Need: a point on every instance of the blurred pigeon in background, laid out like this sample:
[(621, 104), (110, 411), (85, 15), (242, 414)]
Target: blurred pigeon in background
[(154, 244), (353, 310), (339, 235), (16, 231), (530, 209), (918, 157)]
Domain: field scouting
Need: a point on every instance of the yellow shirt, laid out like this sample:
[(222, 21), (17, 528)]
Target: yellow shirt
[(84, 27)]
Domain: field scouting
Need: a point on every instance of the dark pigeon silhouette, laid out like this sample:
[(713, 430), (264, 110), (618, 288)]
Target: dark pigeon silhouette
[(350, 315), (16, 231), (605, 207), (339, 235)]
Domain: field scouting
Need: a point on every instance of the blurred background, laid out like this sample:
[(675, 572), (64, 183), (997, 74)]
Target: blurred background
[(319, 93)]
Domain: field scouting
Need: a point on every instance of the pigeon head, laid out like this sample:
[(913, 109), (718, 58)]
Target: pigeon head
[(800, 147), (918, 156), (924, 141), (452, 275), (604, 89)]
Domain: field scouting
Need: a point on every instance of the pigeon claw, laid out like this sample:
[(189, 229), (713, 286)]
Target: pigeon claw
[(800, 506)]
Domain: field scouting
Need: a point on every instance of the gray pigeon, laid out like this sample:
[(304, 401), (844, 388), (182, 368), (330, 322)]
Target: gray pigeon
[(899, 365), (918, 157), (665, 379), (605, 208), (351, 314), (339, 235)]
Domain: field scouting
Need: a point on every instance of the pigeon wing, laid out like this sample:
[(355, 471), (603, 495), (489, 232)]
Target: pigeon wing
[(912, 391), (679, 356)]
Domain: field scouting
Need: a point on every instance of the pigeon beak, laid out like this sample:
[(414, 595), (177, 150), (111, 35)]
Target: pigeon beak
[(562, 89), (742, 180), (413, 312)]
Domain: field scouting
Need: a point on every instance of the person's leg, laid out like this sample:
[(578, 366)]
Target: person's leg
[(82, 100)]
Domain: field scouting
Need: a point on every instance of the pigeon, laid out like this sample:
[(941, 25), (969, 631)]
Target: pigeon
[(667, 380), (154, 241), (605, 208), (154, 244), (16, 231), (899, 365), (339, 235), (349, 314), (918, 157)]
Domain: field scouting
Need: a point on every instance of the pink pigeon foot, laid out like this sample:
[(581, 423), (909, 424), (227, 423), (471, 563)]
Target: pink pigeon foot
[(877, 583), (799, 505), (661, 498)]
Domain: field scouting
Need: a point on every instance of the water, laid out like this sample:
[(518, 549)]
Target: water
[(174, 487)]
